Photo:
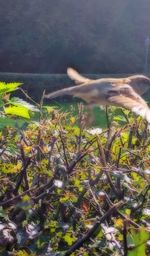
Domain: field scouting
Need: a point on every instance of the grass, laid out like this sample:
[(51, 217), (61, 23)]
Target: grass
[(99, 115)]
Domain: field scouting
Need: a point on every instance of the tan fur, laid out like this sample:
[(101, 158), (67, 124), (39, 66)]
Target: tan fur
[(76, 77), (139, 83), (122, 92)]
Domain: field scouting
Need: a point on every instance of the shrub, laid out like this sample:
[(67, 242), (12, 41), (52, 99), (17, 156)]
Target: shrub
[(69, 190)]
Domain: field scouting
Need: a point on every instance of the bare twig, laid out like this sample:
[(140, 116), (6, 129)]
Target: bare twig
[(22, 174), (91, 232), (28, 97), (18, 197), (125, 245), (64, 149), (104, 163)]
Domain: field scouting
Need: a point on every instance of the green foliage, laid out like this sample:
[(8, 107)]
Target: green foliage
[(137, 242), (71, 190), (15, 111), (8, 87), (6, 121)]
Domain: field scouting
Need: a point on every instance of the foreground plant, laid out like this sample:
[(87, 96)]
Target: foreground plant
[(69, 190)]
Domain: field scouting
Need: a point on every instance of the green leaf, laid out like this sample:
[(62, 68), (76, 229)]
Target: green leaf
[(9, 122), (50, 109), (2, 212), (120, 118), (26, 198), (137, 240), (69, 238), (10, 168), (17, 111), (1, 102), (8, 87), (22, 103), (22, 253)]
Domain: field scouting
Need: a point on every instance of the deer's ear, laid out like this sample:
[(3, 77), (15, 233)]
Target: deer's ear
[(76, 77)]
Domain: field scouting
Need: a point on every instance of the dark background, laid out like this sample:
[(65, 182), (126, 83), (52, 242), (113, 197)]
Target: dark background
[(94, 36)]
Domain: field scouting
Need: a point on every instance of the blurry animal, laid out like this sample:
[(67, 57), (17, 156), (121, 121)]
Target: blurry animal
[(139, 83), (121, 92)]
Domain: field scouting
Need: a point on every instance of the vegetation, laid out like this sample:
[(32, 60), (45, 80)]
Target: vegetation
[(70, 190)]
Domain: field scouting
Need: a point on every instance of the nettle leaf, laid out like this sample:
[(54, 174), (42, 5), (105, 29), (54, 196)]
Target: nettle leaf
[(22, 103), (1, 101), (73, 130), (69, 238), (52, 225), (137, 239), (120, 118), (8, 87), (4, 122), (8, 122), (125, 136), (68, 196), (17, 111), (10, 168), (72, 120), (2, 212), (49, 109), (22, 253)]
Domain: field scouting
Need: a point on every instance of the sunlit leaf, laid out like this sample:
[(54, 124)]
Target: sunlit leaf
[(17, 111), (10, 167), (72, 119), (69, 238), (22, 253), (120, 118), (22, 103), (137, 239), (118, 223), (8, 87)]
